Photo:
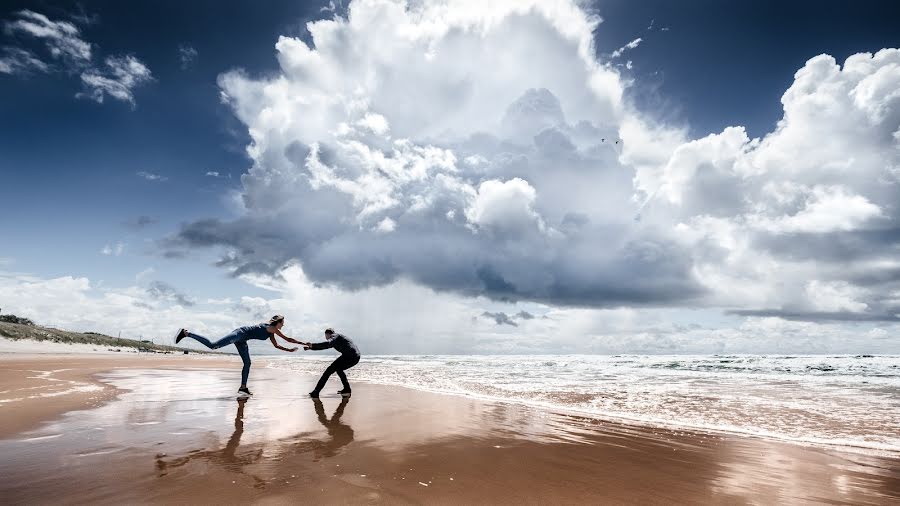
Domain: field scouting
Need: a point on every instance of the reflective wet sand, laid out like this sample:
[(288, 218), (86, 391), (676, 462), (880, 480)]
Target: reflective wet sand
[(175, 436)]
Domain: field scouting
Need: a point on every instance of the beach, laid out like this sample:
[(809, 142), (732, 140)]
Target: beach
[(147, 429)]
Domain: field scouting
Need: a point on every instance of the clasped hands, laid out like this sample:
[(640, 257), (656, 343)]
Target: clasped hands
[(306, 346)]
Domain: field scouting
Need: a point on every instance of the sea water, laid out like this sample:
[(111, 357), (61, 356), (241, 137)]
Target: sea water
[(844, 400)]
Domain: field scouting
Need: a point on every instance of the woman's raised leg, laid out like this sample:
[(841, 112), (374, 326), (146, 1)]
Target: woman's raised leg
[(214, 345)]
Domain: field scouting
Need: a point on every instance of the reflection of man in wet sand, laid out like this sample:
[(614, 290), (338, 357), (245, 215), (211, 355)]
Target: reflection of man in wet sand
[(341, 433), (227, 457)]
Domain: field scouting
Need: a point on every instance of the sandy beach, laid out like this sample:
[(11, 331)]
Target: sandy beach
[(146, 429)]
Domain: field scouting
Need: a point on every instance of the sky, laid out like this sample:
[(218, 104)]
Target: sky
[(458, 176)]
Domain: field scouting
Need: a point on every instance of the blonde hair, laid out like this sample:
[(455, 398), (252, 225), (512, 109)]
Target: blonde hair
[(275, 319)]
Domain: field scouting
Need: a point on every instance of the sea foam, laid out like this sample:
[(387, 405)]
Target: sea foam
[(844, 400)]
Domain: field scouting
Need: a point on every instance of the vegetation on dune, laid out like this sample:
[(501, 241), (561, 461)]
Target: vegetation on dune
[(11, 318), (12, 327)]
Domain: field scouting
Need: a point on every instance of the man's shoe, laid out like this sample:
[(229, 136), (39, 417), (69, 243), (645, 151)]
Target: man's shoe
[(314, 394), (182, 333), (245, 391), (345, 392)]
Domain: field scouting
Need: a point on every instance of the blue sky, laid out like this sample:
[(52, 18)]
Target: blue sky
[(121, 193)]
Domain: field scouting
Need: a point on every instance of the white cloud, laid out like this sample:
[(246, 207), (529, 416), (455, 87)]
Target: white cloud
[(713, 153), (145, 275), (631, 45), (505, 206), (118, 80), (71, 54), (802, 217), (835, 296), (212, 173), (186, 55), (827, 209), (386, 225), (21, 61), (164, 292), (62, 38), (375, 123), (150, 176), (113, 249), (331, 7)]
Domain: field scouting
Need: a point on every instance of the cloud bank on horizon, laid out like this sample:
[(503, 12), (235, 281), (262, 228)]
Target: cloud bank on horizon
[(484, 150)]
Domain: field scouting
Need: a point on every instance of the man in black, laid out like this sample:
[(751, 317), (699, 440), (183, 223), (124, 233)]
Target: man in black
[(349, 358)]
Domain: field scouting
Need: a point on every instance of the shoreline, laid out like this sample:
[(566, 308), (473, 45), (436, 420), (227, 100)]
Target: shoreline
[(387, 444), (654, 425), (85, 371), (51, 407), (760, 398)]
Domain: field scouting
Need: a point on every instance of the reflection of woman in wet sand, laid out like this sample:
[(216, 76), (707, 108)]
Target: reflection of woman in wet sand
[(228, 456), (341, 433)]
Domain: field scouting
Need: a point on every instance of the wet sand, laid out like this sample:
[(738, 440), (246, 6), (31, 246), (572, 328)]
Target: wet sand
[(38, 387), (166, 435)]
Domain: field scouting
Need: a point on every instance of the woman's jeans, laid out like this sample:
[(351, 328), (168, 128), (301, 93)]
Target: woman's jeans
[(237, 339)]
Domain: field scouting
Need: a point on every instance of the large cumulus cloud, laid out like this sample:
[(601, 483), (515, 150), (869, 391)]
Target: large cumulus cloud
[(482, 148), (802, 223), (465, 147)]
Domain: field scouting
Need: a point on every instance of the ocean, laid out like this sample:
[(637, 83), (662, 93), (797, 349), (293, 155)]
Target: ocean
[(848, 401)]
